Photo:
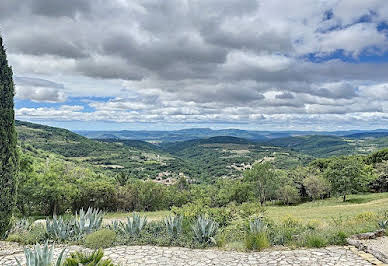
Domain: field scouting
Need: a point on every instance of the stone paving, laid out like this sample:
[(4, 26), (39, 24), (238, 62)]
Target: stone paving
[(150, 255)]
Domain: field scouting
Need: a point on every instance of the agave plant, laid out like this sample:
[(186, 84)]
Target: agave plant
[(204, 230), (59, 229), (94, 258), (89, 221), (19, 225), (116, 226), (173, 225), (383, 224), (135, 224), (257, 226), (42, 256)]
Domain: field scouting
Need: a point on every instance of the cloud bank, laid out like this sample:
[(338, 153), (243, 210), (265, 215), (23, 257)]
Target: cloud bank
[(267, 63)]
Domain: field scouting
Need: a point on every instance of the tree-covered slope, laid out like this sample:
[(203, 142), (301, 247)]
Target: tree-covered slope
[(135, 158)]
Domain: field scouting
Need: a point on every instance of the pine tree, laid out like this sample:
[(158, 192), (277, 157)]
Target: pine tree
[(8, 139)]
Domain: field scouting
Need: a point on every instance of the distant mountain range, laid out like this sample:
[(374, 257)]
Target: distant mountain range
[(201, 133)]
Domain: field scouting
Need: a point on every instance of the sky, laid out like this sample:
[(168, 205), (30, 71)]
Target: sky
[(152, 64)]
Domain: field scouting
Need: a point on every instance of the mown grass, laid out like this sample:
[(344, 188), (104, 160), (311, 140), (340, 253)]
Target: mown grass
[(326, 210), (323, 210)]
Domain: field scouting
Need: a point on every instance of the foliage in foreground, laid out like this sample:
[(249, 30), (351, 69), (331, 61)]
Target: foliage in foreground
[(103, 238), (42, 256), (205, 230), (256, 238), (248, 228), (93, 258)]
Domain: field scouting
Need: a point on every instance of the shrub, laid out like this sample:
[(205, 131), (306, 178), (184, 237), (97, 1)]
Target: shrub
[(288, 194), (223, 215), (235, 232), (256, 241), (315, 241), (366, 216), (286, 232), (204, 230), (313, 224), (103, 238), (94, 258), (41, 256), (316, 186), (256, 238), (35, 234), (338, 238)]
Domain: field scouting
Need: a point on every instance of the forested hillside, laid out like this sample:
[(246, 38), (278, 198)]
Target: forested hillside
[(200, 159), (133, 158)]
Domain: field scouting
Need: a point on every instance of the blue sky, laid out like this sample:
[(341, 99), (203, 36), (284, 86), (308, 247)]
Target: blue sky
[(253, 64)]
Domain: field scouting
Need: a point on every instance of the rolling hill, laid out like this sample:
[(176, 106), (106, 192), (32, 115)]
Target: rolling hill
[(135, 158), (198, 158)]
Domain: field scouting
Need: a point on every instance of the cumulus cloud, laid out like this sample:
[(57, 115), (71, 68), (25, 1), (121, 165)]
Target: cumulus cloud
[(39, 90), (200, 61)]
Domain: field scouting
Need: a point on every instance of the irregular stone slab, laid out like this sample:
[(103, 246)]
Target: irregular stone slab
[(150, 255), (370, 235), (378, 247)]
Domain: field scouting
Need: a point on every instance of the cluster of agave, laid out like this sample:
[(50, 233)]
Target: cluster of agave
[(383, 224), (205, 230), (257, 226), (173, 225), (83, 223), (133, 226), (89, 221), (21, 225), (59, 229), (39, 256), (43, 256)]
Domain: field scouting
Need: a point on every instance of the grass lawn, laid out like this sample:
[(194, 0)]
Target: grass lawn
[(324, 210)]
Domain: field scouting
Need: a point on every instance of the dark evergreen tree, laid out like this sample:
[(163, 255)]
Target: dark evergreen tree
[(8, 149)]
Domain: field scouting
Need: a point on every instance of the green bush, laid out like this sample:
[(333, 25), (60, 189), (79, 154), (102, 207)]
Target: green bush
[(286, 232), (223, 215), (94, 258), (315, 241), (256, 238), (338, 238), (256, 241), (36, 234), (103, 238)]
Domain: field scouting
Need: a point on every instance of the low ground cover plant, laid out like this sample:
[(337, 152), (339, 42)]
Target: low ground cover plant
[(246, 230)]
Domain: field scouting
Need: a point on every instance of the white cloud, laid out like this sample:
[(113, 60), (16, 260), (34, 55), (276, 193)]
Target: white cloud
[(200, 61)]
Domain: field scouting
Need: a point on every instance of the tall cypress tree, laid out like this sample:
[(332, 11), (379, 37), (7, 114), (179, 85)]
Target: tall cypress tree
[(8, 149)]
